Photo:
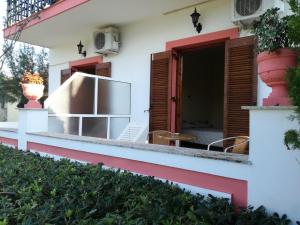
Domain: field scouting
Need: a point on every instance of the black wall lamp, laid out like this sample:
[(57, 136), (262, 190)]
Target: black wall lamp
[(80, 48), (195, 18)]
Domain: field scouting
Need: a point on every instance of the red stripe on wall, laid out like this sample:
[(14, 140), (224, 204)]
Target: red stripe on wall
[(238, 188), (9, 141), (87, 61), (203, 38)]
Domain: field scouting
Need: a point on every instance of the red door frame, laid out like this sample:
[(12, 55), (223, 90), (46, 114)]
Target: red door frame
[(86, 62), (188, 43)]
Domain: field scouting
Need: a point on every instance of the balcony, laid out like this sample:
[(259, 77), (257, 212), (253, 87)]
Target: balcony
[(18, 10)]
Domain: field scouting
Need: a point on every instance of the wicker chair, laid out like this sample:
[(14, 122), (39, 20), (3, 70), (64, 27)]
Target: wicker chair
[(239, 146), (155, 137)]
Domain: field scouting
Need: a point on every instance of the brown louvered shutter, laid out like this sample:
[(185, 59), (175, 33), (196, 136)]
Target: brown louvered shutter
[(103, 69), (160, 87), (66, 74), (240, 85)]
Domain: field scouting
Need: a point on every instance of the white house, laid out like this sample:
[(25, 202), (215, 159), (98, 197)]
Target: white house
[(199, 81), (144, 61)]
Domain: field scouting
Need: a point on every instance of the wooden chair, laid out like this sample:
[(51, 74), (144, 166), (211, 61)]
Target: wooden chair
[(157, 139), (239, 146)]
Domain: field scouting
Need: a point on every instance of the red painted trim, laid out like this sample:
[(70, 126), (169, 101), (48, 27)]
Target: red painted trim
[(190, 42), (203, 39), (238, 188), (86, 62), (9, 141), (52, 11), (173, 93)]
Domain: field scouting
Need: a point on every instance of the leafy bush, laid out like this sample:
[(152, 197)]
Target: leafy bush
[(31, 78), (39, 191), (271, 31), (292, 137), (294, 22)]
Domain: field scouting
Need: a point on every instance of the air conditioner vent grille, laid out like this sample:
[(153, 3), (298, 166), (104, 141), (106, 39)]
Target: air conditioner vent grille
[(247, 7), (99, 40), (106, 41)]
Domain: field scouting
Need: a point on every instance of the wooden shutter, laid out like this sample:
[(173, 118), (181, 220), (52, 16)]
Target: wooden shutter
[(160, 87), (240, 85), (65, 75), (104, 69)]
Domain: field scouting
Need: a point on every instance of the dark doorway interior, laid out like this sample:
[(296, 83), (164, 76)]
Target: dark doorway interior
[(202, 107), (90, 69)]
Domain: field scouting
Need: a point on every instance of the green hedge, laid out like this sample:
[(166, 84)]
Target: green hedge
[(40, 191)]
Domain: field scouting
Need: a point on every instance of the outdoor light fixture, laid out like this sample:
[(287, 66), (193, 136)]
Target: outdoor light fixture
[(195, 18), (80, 48)]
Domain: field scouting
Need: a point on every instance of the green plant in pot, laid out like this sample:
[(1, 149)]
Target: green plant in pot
[(275, 57)]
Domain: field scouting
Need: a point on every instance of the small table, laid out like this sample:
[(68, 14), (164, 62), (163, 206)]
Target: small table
[(177, 137)]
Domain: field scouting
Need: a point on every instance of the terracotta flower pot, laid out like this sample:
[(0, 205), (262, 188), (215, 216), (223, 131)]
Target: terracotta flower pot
[(33, 92), (272, 69)]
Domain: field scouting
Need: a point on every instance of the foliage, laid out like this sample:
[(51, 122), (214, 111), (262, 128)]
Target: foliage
[(24, 59), (10, 43), (271, 31), (251, 216), (292, 137), (36, 190), (294, 22), (31, 78), (6, 85)]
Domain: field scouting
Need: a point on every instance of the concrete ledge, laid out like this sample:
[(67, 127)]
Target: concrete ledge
[(269, 107), (237, 158), (14, 130), (32, 109)]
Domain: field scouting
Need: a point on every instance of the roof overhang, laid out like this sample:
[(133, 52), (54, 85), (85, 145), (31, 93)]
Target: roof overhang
[(69, 20)]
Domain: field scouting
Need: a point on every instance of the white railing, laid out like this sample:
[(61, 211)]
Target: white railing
[(90, 105), (82, 116)]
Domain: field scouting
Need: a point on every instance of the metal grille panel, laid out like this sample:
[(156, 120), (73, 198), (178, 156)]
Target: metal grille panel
[(18, 10), (247, 7)]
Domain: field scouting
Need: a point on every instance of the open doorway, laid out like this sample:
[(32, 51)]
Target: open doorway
[(202, 95), (90, 69), (238, 79)]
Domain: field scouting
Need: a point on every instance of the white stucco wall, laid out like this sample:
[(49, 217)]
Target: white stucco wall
[(54, 71), (139, 40), (275, 177)]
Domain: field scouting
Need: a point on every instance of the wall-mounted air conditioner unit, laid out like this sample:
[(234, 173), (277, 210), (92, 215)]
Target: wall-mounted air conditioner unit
[(107, 41), (244, 12)]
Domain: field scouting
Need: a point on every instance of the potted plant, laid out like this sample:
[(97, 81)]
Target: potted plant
[(33, 88), (275, 57)]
